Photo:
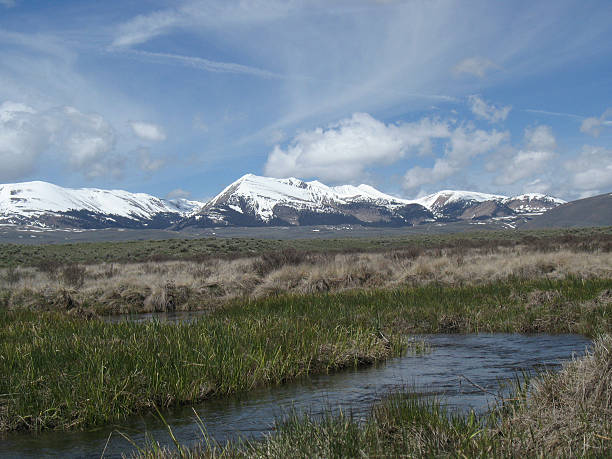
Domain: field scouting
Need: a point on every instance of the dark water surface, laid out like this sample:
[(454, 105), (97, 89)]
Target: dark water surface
[(484, 359)]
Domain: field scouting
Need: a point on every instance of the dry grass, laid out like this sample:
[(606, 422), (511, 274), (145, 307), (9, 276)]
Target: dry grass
[(187, 285), (566, 414)]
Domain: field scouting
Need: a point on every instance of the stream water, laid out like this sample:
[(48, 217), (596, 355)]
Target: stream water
[(451, 371)]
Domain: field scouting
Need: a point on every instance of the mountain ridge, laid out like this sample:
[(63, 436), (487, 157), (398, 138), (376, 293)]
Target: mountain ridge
[(254, 201)]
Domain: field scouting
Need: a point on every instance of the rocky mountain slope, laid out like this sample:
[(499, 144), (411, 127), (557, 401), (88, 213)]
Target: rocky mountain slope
[(593, 211), (264, 201), (254, 201)]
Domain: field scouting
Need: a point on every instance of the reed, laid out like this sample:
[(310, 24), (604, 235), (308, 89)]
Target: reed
[(59, 371), (565, 414)]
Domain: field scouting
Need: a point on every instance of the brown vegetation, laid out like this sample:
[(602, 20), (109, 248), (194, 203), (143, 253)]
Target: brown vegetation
[(188, 285), (567, 414)]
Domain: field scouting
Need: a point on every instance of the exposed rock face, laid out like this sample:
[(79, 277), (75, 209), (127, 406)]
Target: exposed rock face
[(254, 201)]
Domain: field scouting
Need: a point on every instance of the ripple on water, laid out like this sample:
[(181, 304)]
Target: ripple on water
[(453, 368)]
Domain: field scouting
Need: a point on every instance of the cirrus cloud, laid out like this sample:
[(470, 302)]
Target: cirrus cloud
[(476, 66)]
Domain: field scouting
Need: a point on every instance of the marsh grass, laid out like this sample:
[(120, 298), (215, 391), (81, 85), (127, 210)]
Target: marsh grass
[(179, 285), (59, 371), (565, 414)]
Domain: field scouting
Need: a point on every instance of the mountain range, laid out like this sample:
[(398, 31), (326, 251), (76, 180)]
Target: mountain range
[(255, 201)]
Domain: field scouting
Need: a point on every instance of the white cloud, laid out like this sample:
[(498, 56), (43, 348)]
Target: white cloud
[(592, 170), (22, 140), (486, 111), (198, 13), (537, 186), (343, 150), (477, 66), (540, 138), (144, 27), (85, 141), (464, 144), (8, 3), (513, 166), (593, 125), (178, 193), (147, 163), (202, 64), (148, 131), (523, 165), (88, 138)]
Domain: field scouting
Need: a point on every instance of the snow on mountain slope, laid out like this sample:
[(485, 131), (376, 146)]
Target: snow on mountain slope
[(261, 194), (455, 203), (441, 198), (31, 199), (254, 201), (532, 203)]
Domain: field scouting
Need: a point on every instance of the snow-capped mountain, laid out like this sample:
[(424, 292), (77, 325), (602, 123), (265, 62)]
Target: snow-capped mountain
[(45, 204), (532, 203), (259, 201), (254, 201), (470, 205)]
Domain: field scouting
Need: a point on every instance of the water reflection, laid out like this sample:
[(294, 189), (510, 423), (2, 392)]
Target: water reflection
[(482, 359)]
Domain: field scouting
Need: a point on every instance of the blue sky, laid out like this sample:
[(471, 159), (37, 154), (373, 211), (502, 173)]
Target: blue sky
[(180, 98)]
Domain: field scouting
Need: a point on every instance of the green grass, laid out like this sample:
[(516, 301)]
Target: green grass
[(59, 372), (586, 239), (563, 414)]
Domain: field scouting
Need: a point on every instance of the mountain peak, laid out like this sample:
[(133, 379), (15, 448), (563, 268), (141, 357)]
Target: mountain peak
[(254, 200)]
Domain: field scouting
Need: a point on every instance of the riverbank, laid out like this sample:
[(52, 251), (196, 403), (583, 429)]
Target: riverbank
[(64, 372), (564, 414)]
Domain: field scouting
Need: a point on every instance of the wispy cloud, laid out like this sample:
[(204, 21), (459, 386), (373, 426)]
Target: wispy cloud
[(201, 63), (546, 112), (194, 14), (475, 66)]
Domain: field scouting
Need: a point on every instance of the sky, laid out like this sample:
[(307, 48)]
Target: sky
[(180, 98)]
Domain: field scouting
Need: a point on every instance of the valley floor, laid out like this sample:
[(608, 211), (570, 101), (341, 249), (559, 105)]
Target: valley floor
[(277, 315)]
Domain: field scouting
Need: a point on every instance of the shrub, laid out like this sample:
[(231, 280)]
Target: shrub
[(73, 275), (271, 261), (12, 275)]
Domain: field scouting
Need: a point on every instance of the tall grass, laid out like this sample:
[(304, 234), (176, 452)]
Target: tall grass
[(62, 372), (57, 372), (166, 286), (566, 414)]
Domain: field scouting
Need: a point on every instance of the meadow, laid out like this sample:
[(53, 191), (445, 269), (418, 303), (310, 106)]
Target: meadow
[(64, 372), (276, 311), (296, 267)]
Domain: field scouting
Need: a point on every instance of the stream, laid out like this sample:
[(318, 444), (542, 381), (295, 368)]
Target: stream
[(451, 371)]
